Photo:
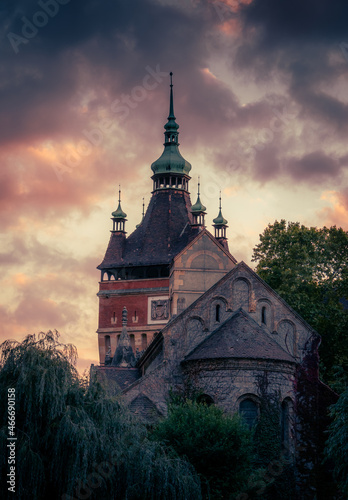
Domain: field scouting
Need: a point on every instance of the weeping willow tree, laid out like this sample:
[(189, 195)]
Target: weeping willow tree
[(74, 439)]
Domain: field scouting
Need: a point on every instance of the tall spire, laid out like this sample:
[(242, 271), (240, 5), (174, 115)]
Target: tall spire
[(171, 169), (171, 104), (142, 215), (171, 127)]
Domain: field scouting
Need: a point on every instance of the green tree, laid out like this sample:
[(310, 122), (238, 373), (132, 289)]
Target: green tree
[(74, 438), (308, 267), (337, 443), (219, 446)]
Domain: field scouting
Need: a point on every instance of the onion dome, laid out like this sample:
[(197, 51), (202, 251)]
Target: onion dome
[(198, 211), (119, 216)]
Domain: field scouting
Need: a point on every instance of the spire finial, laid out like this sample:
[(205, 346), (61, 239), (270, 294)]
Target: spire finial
[(199, 183), (171, 105), (220, 200), (124, 316), (143, 208), (119, 193)]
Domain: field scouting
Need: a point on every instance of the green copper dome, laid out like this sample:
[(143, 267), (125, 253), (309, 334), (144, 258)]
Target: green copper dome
[(220, 220), (119, 213), (198, 207), (171, 160)]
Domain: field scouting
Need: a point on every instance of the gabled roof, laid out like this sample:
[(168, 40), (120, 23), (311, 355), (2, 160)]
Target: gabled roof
[(239, 337), (228, 276), (200, 235)]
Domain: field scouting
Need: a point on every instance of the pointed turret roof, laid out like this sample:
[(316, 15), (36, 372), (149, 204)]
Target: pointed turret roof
[(220, 220), (119, 213), (171, 160), (124, 355), (198, 207)]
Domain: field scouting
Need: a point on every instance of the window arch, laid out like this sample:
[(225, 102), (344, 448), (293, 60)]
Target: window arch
[(249, 411)]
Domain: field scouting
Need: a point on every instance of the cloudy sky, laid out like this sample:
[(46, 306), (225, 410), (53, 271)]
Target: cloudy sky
[(261, 99)]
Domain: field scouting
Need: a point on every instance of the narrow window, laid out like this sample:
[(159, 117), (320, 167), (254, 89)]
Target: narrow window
[(263, 316), (118, 339), (132, 341), (143, 341), (135, 316), (217, 313), (249, 412), (107, 343)]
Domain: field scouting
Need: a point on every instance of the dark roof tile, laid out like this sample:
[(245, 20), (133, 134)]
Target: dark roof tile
[(239, 337)]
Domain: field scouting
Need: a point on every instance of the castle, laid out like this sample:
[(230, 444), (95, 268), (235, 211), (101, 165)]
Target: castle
[(175, 308)]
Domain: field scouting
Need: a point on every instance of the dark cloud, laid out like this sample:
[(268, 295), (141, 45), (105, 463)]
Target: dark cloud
[(300, 20), (314, 167)]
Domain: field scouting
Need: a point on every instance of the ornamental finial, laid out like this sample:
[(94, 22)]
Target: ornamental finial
[(124, 316)]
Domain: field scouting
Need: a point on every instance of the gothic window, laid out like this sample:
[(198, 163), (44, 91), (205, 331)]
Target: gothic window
[(217, 313), (143, 341), (249, 410)]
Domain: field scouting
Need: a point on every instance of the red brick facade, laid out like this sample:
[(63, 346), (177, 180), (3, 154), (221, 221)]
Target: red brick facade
[(136, 295)]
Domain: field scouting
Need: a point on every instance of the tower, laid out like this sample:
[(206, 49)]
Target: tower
[(168, 261)]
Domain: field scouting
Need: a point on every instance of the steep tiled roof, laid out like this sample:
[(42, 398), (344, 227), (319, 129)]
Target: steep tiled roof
[(123, 377), (239, 337), (145, 408), (163, 233)]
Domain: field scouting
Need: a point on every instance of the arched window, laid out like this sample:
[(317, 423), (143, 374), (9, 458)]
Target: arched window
[(217, 313), (205, 399), (263, 316), (249, 411)]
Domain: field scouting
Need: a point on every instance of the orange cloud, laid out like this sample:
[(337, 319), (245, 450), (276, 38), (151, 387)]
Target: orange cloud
[(336, 214)]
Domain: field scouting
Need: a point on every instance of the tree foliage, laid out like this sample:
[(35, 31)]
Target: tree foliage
[(337, 443), (75, 439), (219, 446), (308, 267)]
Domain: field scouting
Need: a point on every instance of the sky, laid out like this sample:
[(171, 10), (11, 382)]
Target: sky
[(260, 94)]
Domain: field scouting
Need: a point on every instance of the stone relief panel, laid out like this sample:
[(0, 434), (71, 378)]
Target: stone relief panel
[(287, 331), (241, 294)]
